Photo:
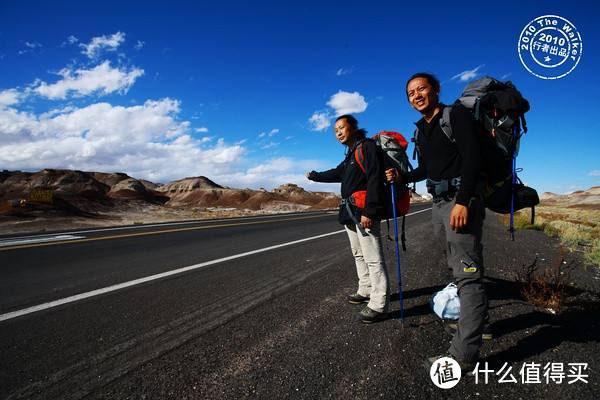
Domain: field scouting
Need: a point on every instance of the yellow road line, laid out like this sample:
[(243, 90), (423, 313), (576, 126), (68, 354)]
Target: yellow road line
[(27, 246)]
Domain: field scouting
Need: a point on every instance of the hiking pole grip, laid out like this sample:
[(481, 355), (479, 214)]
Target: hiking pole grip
[(398, 269)]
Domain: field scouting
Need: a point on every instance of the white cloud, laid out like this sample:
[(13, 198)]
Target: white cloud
[(269, 145), (280, 164), (344, 71), (102, 79), (146, 141), (277, 171), (469, 74), (347, 103), (9, 97), (139, 45), (104, 42), (271, 133), (319, 121), (30, 47), (340, 103), (33, 45), (70, 40), (595, 172)]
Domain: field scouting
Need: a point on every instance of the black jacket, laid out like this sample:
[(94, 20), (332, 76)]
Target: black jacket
[(354, 179), (439, 158)]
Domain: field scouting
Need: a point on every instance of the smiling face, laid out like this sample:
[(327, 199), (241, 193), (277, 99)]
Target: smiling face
[(344, 132), (421, 95)]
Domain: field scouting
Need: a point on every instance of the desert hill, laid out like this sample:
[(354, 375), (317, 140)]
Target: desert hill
[(189, 184), (287, 197), (64, 199), (580, 198), (71, 192)]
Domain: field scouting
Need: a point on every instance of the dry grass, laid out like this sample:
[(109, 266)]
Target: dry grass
[(576, 227), (593, 255), (546, 289)]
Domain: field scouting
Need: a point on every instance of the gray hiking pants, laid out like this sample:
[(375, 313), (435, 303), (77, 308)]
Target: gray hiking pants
[(372, 274), (465, 258)]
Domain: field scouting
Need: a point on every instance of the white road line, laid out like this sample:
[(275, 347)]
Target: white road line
[(139, 281), (17, 241), (150, 278)]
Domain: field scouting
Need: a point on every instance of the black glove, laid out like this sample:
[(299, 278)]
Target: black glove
[(312, 175)]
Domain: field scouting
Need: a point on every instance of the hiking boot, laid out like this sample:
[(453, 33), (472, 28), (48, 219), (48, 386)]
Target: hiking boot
[(465, 366), (450, 327), (369, 316), (357, 299)]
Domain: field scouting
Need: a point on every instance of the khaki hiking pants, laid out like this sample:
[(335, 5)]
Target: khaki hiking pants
[(372, 273)]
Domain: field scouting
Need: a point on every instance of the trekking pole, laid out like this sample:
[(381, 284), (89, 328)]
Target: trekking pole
[(398, 269), (512, 185)]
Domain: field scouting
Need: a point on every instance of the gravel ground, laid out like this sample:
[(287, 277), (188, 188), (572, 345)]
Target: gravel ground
[(306, 342)]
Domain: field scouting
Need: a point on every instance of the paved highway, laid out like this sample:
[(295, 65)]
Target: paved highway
[(256, 308), (80, 309)]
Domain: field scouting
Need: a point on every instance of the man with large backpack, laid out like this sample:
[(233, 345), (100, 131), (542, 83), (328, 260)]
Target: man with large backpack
[(363, 206), (453, 169)]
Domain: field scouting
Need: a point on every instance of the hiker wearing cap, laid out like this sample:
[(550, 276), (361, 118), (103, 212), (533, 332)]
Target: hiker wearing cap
[(362, 223), (453, 170)]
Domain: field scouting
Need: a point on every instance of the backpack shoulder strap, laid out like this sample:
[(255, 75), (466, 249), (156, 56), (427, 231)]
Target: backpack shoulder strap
[(359, 156), (415, 140), (445, 123), (446, 126)]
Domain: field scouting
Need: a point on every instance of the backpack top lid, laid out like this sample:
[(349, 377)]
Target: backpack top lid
[(387, 139), (481, 86), (393, 145), (506, 100), (493, 94)]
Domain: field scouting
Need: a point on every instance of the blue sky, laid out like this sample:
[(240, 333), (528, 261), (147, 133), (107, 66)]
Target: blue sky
[(227, 89)]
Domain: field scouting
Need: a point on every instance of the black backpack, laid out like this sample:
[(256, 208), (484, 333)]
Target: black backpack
[(499, 108)]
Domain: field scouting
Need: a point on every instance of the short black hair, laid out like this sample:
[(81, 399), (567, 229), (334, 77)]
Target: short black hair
[(362, 133), (431, 78)]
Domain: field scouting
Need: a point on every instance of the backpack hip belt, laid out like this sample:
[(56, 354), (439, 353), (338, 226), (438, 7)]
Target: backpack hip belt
[(443, 189)]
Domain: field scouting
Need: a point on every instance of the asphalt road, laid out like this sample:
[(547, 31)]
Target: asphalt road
[(249, 307)]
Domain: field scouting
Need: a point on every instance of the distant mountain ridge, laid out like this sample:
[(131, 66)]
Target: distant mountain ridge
[(187, 184), (92, 192), (585, 198), (82, 193)]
